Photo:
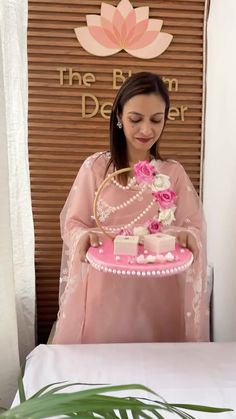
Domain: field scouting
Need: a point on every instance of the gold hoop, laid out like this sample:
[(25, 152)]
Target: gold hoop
[(99, 225)]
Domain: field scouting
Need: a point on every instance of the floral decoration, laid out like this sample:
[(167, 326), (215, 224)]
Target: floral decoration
[(125, 232), (165, 198), (154, 226), (144, 172), (123, 27), (164, 195)]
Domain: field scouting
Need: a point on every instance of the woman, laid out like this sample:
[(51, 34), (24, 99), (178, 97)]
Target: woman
[(97, 307)]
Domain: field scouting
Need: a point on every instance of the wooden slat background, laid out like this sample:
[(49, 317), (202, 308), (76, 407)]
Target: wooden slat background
[(60, 139)]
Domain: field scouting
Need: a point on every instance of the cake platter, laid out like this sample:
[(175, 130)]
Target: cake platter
[(134, 255), (145, 264)]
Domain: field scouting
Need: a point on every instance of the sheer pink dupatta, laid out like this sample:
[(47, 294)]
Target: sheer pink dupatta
[(76, 220), (190, 217)]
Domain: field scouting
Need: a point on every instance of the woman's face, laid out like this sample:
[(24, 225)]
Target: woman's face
[(143, 119)]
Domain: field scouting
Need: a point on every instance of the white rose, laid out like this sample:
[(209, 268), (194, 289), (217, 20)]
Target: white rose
[(166, 216), (160, 183)]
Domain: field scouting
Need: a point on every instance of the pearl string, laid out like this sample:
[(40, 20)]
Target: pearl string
[(129, 201), (130, 183), (104, 210), (127, 226)]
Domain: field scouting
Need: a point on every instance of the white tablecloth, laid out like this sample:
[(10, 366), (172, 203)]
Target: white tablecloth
[(203, 373)]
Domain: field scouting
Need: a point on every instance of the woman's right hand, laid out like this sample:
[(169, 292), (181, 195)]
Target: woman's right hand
[(87, 240)]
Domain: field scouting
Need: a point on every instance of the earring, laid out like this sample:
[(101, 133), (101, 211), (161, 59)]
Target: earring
[(119, 124)]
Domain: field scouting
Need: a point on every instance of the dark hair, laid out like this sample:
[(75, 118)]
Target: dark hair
[(143, 83)]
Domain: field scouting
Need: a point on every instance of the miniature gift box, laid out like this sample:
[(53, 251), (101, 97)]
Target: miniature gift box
[(126, 245), (159, 243)]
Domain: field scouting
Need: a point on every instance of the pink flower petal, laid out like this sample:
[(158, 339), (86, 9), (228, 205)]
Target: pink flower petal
[(145, 25), (109, 30), (136, 32), (155, 25), (130, 24), (102, 37), (104, 24), (131, 20), (141, 13), (108, 11), (93, 20), (124, 7), (156, 48), (91, 45), (146, 39), (118, 24)]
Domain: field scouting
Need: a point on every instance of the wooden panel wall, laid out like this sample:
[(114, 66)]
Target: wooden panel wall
[(60, 139)]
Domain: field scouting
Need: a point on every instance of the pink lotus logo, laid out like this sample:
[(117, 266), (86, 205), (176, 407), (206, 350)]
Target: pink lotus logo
[(123, 27)]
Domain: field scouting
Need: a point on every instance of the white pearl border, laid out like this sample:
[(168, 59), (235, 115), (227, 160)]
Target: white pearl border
[(139, 273)]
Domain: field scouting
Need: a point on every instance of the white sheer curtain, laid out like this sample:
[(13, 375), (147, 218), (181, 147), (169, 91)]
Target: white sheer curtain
[(17, 284)]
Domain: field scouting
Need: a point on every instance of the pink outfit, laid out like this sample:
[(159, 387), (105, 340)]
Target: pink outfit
[(98, 307)]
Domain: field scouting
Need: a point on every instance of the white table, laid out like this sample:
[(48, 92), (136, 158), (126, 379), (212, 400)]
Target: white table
[(203, 373)]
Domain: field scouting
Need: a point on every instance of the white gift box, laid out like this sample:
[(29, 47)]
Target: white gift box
[(126, 245), (159, 243)]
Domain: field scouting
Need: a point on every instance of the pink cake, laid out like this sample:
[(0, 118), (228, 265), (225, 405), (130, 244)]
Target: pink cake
[(145, 264)]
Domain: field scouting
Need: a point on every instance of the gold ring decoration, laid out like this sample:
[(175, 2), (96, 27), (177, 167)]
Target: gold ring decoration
[(106, 180)]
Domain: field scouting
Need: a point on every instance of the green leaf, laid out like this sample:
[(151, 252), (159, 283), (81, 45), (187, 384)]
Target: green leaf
[(181, 414), (43, 389), (201, 408), (123, 414), (93, 403), (2, 409), (21, 390), (135, 415), (99, 390)]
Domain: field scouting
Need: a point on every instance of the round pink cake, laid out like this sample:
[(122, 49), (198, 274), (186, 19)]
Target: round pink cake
[(103, 259)]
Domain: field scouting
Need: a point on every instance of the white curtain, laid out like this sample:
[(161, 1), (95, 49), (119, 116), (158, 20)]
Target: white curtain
[(17, 282), (220, 164)]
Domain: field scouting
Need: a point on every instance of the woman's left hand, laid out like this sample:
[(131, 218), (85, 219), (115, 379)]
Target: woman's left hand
[(186, 239)]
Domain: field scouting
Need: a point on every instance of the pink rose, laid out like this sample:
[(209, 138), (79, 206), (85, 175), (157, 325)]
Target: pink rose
[(154, 226), (125, 232), (165, 198), (144, 171)]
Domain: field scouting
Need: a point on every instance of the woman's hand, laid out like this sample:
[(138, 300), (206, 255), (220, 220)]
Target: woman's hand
[(87, 240), (186, 239)]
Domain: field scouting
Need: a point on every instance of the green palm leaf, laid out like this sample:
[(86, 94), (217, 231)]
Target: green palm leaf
[(94, 403)]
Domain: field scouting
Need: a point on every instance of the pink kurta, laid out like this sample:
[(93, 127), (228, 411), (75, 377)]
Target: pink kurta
[(97, 307)]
